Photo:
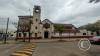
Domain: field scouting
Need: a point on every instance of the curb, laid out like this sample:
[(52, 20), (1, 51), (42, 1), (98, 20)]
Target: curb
[(18, 54), (26, 51)]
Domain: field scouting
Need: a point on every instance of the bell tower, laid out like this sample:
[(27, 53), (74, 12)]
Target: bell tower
[(36, 12), (36, 32)]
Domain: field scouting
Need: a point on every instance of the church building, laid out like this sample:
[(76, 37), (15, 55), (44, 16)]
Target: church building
[(35, 28)]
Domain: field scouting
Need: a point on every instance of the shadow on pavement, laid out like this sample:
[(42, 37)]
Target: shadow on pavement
[(96, 43)]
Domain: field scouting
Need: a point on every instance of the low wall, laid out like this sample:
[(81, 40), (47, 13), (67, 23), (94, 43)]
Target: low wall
[(28, 38), (54, 37)]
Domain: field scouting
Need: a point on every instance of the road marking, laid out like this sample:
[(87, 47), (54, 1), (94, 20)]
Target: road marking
[(27, 50), (84, 44), (24, 52), (18, 54)]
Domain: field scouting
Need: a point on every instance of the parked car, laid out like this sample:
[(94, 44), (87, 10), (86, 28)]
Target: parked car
[(95, 39)]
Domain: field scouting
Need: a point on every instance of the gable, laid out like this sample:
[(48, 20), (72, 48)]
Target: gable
[(46, 21)]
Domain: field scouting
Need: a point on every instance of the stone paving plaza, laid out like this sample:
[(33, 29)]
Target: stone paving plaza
[(51, 48)]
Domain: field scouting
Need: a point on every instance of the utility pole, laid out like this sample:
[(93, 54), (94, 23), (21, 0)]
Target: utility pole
[(17, 31), (29, 25), (6, 31)]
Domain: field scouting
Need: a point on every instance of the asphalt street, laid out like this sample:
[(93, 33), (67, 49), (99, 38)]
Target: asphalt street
[(7, 49), (55, 48), (64, 49)]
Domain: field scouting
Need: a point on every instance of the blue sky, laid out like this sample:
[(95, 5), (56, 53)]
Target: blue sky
[(77, 12)]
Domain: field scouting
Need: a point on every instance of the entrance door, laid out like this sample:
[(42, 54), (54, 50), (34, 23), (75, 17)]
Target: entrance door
[(46, 33)]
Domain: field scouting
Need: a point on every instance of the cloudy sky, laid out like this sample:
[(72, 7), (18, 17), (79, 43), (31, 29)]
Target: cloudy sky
[(77, 12)]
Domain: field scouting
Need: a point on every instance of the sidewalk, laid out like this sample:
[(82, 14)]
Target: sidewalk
[(51, 40), (38, 40)]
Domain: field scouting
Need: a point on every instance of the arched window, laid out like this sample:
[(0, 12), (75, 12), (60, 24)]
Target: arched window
[(46, 25), (36, 19), (36, 27), (84, 33), (35, 34), (19, 34), (92, 33), (25, 34)]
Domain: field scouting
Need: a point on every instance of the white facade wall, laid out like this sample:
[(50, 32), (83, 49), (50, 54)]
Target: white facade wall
[(50, 30), (64, 34), (88, 33), (12, 33), (36, 24)]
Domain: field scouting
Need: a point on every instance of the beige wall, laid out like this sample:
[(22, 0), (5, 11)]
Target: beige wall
[(36, 23), (88, 33), (50, 30)]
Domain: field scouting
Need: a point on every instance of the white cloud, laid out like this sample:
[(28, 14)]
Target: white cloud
[(77, 12)]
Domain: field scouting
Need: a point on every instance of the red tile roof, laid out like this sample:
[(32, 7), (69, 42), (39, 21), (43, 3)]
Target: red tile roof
[(67, 28)]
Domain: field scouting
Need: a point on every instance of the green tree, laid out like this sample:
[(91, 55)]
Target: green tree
[(24, 27), (59, 29), (95, 27)]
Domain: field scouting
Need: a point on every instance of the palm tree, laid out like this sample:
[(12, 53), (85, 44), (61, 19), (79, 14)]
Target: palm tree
[(59, 29)]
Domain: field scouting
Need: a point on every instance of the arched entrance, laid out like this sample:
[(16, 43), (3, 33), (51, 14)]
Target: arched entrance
[(46, 34)]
